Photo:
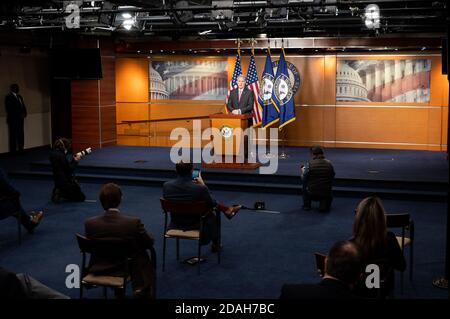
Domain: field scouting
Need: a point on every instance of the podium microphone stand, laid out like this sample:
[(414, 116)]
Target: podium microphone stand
[(283, 154)]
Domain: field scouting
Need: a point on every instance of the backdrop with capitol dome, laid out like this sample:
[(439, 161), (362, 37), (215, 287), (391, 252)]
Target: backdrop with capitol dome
[(341, 100)]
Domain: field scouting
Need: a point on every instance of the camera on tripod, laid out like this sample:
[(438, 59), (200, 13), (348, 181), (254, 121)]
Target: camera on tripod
[(85, 152)]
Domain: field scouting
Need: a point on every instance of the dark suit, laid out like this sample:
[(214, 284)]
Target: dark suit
[(63, 176), (327, 289), (10, 202), (245, 104), (183, 189), (317, 182), (15, 114), (113, 224)]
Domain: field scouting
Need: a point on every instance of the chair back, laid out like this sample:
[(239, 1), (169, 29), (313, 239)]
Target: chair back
[(320, 263), (397, 220), (185, 209), (113, 248)]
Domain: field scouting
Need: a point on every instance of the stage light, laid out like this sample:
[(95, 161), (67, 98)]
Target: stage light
[(372, 16), (205, 32), (126, 15), (128, 24)]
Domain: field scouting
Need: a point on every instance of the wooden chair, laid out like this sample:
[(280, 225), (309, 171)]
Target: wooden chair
[(114, 249), (406, 224), (195, 210)]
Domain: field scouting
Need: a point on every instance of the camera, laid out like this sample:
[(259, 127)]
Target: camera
[(260, 206), (84, 152)]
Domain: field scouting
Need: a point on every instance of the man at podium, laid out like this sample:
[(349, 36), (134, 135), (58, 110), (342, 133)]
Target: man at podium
[(241, 102), (241, 99)]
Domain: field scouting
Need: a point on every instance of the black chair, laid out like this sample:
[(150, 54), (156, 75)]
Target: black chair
[(199, 210), (406, 224), (320, 263), (19, 224), (110, 249)]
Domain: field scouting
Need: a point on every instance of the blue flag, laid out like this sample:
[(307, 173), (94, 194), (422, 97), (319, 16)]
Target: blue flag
[(284, 95), (265, 97)]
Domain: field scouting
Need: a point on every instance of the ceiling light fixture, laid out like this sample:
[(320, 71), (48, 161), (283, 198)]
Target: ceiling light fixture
[(372, 16), (128, 24), (205, 32)]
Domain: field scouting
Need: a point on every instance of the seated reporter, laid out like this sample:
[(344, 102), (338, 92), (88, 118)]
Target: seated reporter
[(112, 224), (63, 163), (10, 205), (343, 270), (186, 189)]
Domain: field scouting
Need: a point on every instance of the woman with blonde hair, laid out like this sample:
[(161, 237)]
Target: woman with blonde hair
[(378, 245)]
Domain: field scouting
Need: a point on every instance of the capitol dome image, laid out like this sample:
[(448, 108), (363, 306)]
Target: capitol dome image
[(157, 87), (349, 85)]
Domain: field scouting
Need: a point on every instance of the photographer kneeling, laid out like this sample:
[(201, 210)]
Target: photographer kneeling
[(63, 166)]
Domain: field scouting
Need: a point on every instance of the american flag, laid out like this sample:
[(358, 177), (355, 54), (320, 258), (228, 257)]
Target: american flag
[(237, 71), (253, 84)]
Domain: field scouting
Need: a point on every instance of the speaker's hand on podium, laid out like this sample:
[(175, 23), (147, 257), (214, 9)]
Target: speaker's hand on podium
[(237, 112)]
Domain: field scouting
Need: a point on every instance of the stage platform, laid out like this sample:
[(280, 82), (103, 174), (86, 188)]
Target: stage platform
[(388, 173)]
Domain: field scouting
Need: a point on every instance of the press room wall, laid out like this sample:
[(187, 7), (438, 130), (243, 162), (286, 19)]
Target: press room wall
[(320, 120), (30, 71)]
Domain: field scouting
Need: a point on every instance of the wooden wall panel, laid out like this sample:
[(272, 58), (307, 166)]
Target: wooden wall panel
[(177, 109), (132, 111), (85, 93), (86, 125), (312, 87), (397, 127), (132, 80), (320, 120), (108, 124), (94, 103), (444, 127), (108, 85)]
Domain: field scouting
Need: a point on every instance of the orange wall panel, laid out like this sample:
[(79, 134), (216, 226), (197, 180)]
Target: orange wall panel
[(132, 80), (384, 125), (319, 118)]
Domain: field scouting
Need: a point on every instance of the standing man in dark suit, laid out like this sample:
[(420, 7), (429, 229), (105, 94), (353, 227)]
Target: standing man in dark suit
[(186, 189), (112, 224), (16, 112), (241, 102), (343, 269), (241, 99)]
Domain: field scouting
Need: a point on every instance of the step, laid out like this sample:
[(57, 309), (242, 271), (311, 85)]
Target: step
[(250, 186)]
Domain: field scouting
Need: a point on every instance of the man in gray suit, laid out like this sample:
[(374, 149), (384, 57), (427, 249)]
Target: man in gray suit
[(186, 189)]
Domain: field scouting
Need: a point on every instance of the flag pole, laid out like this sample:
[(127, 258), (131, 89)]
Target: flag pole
[(283, 154)]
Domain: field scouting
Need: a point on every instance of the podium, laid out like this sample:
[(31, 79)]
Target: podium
[(229, 141)]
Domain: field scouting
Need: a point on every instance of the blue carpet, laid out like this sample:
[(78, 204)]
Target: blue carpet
[(368, 164), (261, 251)]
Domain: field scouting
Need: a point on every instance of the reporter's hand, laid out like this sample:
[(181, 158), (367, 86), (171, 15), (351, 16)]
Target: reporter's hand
[(199, 180), (77, 157)]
